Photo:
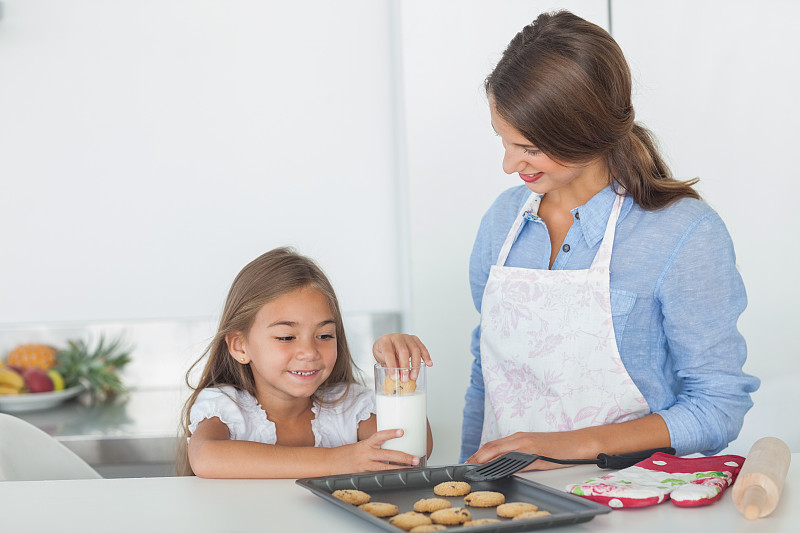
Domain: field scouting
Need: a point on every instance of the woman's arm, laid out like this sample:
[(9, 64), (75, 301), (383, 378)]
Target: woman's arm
[(213, 455), (702, 296), (635, 435)]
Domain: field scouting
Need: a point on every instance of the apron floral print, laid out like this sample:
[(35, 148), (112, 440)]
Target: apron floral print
[(548, 351)]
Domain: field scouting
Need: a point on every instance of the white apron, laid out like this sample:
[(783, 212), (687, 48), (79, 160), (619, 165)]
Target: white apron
[(548, 351)]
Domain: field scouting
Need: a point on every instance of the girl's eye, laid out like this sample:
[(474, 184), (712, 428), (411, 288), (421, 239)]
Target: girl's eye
[(284, 339), (327, 337), (531, 152)]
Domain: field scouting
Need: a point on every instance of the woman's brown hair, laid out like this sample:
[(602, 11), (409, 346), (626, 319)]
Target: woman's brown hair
[(565, 85), (266, 278)]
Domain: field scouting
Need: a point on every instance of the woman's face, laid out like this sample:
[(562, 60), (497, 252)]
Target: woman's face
[(291, 346), (540, 173)]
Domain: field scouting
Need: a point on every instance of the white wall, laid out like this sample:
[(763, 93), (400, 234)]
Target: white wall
[(150, 148)]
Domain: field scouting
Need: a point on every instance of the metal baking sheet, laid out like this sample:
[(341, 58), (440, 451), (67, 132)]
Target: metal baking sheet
[(404, 487)]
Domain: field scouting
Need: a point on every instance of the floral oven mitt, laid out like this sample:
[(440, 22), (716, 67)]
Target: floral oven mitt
[(687, 482)]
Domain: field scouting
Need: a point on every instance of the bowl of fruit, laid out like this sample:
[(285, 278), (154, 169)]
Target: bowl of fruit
[(38, 376)]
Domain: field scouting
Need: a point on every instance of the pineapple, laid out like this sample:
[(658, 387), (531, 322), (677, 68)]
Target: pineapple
[(27, 356), (94, 367)]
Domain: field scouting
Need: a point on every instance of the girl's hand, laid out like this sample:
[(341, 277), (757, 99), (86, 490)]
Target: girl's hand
[(398, 350), (367, 455), (558, 445)]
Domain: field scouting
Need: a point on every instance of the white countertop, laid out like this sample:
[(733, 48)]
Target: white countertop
[(199, 505)]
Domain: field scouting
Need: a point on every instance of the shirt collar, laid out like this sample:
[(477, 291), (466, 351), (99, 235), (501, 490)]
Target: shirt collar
[(593, 215)]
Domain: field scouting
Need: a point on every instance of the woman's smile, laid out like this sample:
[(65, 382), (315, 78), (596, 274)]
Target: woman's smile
[(530, 178)]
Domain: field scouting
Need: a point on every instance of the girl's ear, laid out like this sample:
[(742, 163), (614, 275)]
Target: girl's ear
[(236, 348)]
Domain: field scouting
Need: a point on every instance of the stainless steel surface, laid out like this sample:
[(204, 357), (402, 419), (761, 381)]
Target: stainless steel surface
[(135, 434)]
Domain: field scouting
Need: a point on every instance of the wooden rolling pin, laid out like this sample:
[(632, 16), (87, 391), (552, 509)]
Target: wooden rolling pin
[(760, 482)]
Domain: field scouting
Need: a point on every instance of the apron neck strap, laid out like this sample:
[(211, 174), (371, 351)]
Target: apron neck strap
[(531, 208)]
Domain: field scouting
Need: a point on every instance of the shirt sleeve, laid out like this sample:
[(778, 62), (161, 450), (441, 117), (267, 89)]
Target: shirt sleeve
[(702, 296), (363, 403), (220, 403)]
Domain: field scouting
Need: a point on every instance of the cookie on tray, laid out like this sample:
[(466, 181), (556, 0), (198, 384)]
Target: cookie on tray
[(450, 517), (484, 498), (428, 528), (409, 520), (379, 509), (429, 505), (531, 514), (481, 522), (352, 496), (510, 510), (452, 488)]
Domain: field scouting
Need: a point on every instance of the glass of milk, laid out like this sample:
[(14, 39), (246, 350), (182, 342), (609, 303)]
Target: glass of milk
[(400, 398)]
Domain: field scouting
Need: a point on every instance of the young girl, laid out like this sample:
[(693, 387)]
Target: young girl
[(278, 397), (608, 290)]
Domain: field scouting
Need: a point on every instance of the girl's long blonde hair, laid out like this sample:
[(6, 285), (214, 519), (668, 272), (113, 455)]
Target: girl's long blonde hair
[(266, 278)]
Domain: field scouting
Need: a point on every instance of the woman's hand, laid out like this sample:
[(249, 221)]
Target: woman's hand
[(558, 445), (398, 350), (367, 455), (643, 433)]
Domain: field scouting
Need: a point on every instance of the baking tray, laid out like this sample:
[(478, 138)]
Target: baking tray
[(404, 487)]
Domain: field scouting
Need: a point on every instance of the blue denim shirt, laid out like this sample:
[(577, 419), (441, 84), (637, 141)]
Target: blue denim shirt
[(676, 296)]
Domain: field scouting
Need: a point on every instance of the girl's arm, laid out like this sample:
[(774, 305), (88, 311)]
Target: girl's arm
[(644, 433), (213, 455)]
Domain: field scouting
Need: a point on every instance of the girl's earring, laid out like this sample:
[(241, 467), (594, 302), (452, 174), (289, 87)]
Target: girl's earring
[(241, 359)]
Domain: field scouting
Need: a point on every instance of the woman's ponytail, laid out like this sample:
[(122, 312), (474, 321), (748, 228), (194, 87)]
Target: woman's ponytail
[(636, 165)]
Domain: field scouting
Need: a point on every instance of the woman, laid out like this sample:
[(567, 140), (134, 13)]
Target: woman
[(608, 290)]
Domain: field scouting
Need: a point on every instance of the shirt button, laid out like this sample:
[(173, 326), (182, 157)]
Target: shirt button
[(577, 216), (565, 247)]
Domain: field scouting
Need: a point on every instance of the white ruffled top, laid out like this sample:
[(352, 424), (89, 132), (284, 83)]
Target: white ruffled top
[(334, 424)]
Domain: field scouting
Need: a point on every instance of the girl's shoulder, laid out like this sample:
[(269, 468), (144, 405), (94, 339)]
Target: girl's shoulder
[(224, 394)]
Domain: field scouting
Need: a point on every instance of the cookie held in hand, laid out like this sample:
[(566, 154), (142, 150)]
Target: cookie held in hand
[(391, 386)]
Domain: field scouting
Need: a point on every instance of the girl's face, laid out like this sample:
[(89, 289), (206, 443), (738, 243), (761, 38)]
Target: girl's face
[(291, 346), (540, 173)]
